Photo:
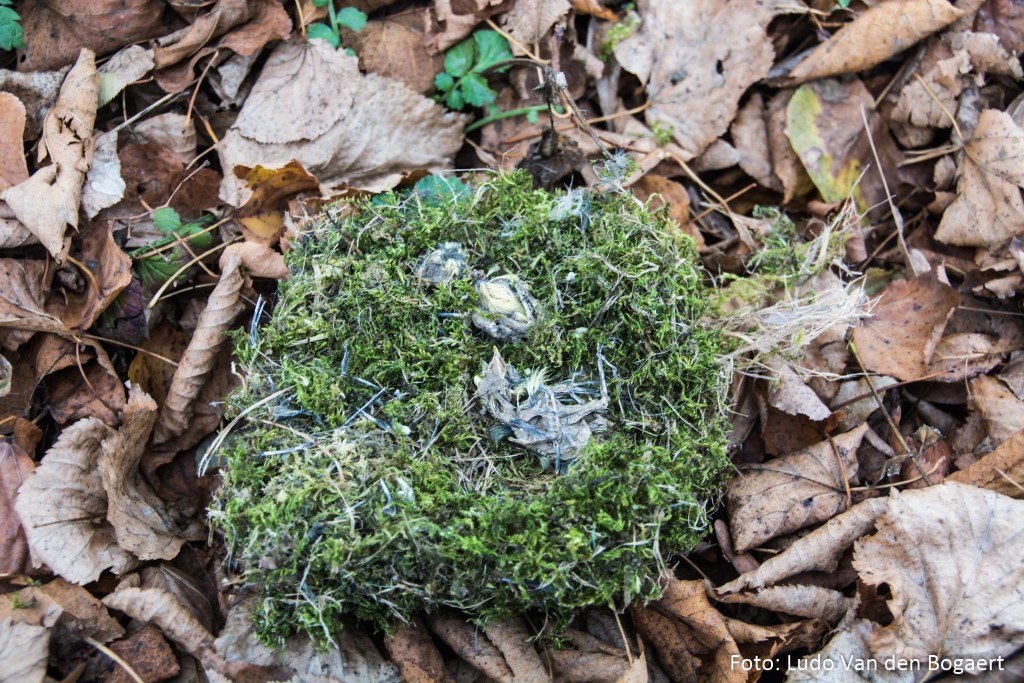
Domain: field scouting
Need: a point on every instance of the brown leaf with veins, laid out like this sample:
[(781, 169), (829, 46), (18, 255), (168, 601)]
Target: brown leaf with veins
[(512, 638), (13, 168), (63, 507), (1001, 471), (875, 35), (530, 20), (697, 59), (592, 660), (57, 29), (220, 18), (15, 467), (23, 300), (749, 132), (259, 260), (48, 201), (988, 210), (394, 48), (110, 271), (812, 602), (70, 611), (221, 309), (414, 653), (86, 385), (145, 525), (312, 105), (678, 649), (156, 606), (465, 639), (966, 542), (900, 336), (789, 493), (1000, 408), (688, 601)]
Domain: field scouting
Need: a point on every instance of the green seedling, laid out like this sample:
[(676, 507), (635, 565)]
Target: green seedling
[(462, 82), (347, 17), (11, 35), (156, 263)]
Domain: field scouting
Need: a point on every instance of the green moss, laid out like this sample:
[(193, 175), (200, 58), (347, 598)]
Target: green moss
[(372, 485)]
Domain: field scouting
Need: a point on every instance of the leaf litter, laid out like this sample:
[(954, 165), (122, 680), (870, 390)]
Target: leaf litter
[(110, 113)]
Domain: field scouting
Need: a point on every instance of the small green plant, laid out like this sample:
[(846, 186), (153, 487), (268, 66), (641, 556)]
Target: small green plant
[(11, 35), (347, 17), (462, 81), (662, 132), (618, 33), (158, 262)]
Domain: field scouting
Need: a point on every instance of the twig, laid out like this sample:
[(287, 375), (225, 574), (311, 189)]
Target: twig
[(896, 216)]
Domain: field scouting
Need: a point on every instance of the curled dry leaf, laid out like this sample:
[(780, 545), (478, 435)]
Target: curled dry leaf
[(530, 20), (363, 130), (159, 607), (259, 260), (15, 467), (470, 645), (988, 210), (819, 550), (512, 638), (874, 36), (591, 660), (678, 650), (966, 541), (749, 132), (48, 201), (414, 653), (1001, 471), (900, 336), (215, 22), (110, 272), (123, 69), (145, 526), (393, 47), (788, 393), (63, 507), (13, 169), (813, 602), (24, 650), (999, 407), (71, 611), (791, 492), (697, 59), (104, 186), (221, 309)]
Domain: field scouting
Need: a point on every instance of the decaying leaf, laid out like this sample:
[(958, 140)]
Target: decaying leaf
[(906, 323), (159, 607), (63, 507), (312, 105), (13, 169), (259, 260), (1000, 408), (874, 36), (1001, 471), (791, 492), (414, 653), (123, 69), (24, 650), (988, 210), (512, 638), (68, 610), (812, 602), (148, 654), (221, 309), (15, 467), (965, 540), (530, 20), (697, 59), (393, 47), (591, 659), (470, 645), (104, 186), (788, 393)]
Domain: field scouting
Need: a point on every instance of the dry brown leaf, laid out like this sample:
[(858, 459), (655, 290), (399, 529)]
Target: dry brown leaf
[(678, 650), (221, 17), (221, 309), (813, 602), (688, 601), (637, 671), (364, 130), (749, 132), (24, 650), (905, 326), (1001, 471), (591, 660), (697, 59), (262, 215), (63, 507), (469, 644), (952, 558), (171, 130), (147, 653), (15, 467), (414, 653), (123, 69), (879, 33), (458, 19), (394, 48), (259, 260), (145, 525), (849, 645), (1000, 408), (819, 550), (37, 90), (104, 186), (69, 610), (48, 201), (55, 31), (1005, 18), (159, 607), (785, 163), (88, 387), (988, 210), (791, 492), (530, 20), (860, 410), (13, 168), (788, 393), (110, 273), (672, 194), (959, 357), (512, 638)]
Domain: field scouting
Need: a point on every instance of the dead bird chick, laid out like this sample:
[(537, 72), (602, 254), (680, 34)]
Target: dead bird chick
[(507, 310), (442, 265)]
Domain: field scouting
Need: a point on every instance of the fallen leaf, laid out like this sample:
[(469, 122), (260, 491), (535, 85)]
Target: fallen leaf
[(69, 611), (263, 213), (697, 59), (590, 661), (394, 48), (530, 20), (103, 184), (15, 467), (678, 649), (221, 309), (848, 658), (124, 68), (512, 638), (414, 653), (363, 130), (749, 133), (905, 325), (458, 20), (1005, 18), (964, 540), (13, 169), (22, 302), (875, 35), (688, 601), (825, 124), (48, 201), (858, 411), (785, 163), (669, 193), (63, 507), (24, 650), (87, 387), (259, 260), (788, 393), (819, 550), (109, 272), (792, 492), (161, 608), (988, 210), (799, 600), (469, 644), (220, 18), (145, 525), (999, 407), (147, 653), (55, 31), (1001, 471), (171, 130), (37, 90)]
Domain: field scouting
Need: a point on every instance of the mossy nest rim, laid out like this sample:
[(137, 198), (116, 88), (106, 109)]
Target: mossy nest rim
[(369, 480)]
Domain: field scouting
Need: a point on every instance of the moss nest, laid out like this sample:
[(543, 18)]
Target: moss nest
[(495, 398)]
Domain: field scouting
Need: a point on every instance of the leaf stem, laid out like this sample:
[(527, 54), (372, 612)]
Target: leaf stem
[(480, 123)]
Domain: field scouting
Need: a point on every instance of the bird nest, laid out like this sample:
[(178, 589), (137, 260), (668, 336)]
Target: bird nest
[(494, 398)]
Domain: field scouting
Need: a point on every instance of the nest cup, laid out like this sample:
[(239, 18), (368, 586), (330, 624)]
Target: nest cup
[(496, 398)]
